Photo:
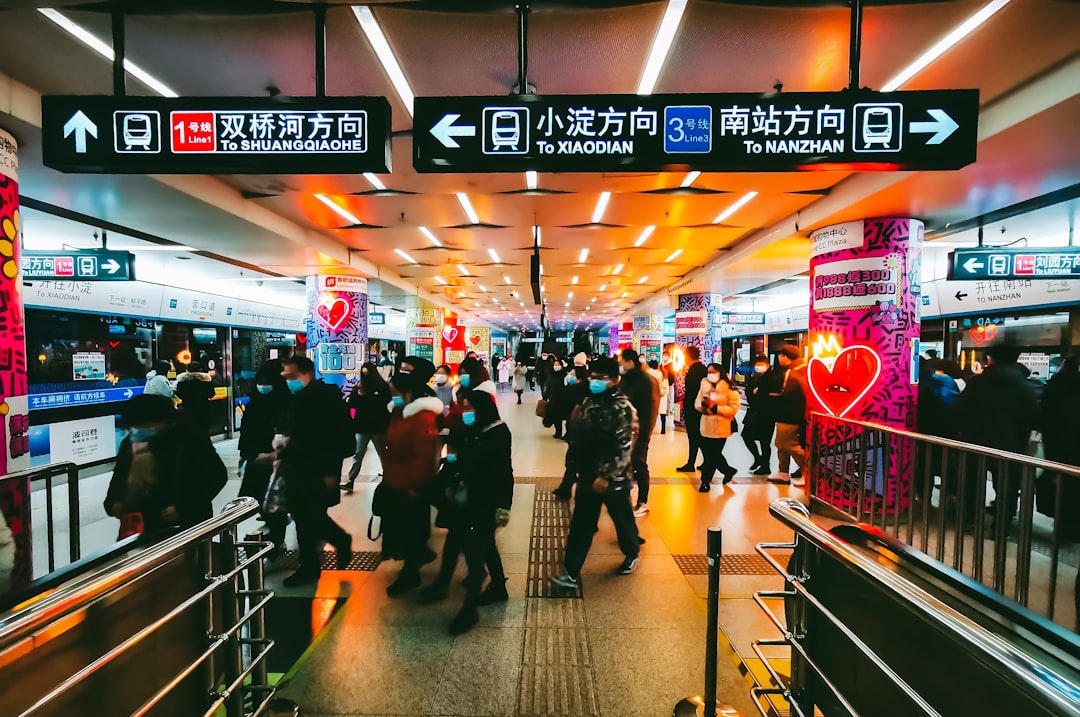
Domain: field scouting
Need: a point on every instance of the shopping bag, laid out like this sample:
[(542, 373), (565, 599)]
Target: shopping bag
[(130, 524)]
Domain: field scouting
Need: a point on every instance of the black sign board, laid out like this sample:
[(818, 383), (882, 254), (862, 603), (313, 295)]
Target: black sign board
[(1028, 263), (933, 129), (88, 265), (216, 135)]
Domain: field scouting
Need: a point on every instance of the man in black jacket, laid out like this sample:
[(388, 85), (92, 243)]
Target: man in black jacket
[(758, 424), (789, 410), (320, 436), (695, 374), (577, 390), (644, 394)]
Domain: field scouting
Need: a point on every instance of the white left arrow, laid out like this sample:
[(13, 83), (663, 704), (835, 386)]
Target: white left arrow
[(111, 266), (445, 131), (972, 264), (942, 126), (80, 125)]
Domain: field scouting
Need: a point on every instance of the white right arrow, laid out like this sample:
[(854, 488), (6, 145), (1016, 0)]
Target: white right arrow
[(81, 125), (972, 264), (445, 131), (111, 266), (942, 126)]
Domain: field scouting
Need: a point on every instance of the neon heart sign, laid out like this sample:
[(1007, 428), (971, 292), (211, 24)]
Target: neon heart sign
[(335, 313), (987, 332), (840, 382), (449, 334)]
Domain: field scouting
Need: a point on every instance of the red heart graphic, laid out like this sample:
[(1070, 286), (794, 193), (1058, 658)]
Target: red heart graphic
[(839, 388), (475, 339), (979, 334), (449, 334), (334, 314)]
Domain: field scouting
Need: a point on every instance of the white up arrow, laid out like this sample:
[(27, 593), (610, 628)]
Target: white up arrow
[(111, 266), (81, 125), (972, 264), (942, 126), (445, 131)]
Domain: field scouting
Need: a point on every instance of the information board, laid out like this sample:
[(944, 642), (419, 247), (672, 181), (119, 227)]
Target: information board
[(1026, 263), (88, 265)]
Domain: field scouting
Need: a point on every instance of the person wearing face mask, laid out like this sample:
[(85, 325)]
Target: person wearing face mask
[(263, 418), (606, 426), (577, 390), (166, 467), (695, 374), (556, 385), (758, 424), (521, 375), (658, 374), (644, 394), (718, 402), (444, 387), (367, 404), (419, 366), (320, 436), (472, 376)]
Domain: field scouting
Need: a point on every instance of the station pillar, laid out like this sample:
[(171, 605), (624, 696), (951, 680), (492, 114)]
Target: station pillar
[(864, 351), (337, 327), (422, 331), (16, 559), (693, 327)]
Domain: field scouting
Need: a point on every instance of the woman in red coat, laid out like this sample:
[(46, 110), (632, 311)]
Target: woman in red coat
[(410, 461)]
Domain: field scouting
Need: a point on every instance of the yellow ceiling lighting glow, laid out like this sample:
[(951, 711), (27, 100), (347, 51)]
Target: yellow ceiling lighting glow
[(466, 205), (944, 44), (431, 237), (645, 235), (734, 207), (405, 256), (338, 209), (601, 207), (374, 34), (665, 36), (99, 46), (673, 255)]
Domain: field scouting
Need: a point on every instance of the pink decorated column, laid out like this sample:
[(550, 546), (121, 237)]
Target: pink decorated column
[(863, 365)]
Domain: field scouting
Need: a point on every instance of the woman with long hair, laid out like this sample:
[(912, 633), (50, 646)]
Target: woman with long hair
[(368, 403), (718, 402)]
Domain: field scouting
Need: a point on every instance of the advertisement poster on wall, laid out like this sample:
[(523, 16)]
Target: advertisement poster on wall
[(453, 343), (81, 442), (422, 342), (88, 366), (478, 339)]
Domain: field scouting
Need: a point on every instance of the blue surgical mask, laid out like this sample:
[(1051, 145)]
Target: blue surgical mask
[(141, 435), (295, 384), (468, 418), (571, 380), (597, 385), (398, 401), (466, 380), (264, 389)]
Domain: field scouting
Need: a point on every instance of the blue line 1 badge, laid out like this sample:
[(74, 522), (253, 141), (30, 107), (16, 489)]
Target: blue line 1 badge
[(688, 129)]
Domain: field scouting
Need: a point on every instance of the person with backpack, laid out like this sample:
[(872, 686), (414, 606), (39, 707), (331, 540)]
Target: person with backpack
[(320, 437)]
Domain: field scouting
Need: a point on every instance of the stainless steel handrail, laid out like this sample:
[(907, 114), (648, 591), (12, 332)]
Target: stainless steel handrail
[(46, 474), (1026, 672), (960, 445), (76, 595)]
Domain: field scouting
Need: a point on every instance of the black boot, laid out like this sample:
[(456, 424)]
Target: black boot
[(496, 592)]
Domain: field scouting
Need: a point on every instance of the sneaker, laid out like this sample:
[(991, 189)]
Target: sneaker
[(762, 471), (628, 566), (685, 468), (797, 480), (566, 580), (703, 488), (641, 510), (780, 478)]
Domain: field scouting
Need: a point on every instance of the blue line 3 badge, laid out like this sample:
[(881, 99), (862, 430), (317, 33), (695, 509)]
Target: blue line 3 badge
[(688, 129)]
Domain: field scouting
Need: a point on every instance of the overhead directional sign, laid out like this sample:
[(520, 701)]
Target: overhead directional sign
[(216, 135), (86, 265), (933, 129), (1027, 263)]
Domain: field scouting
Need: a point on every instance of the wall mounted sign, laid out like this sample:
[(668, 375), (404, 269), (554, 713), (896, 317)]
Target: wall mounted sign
[(215, 135), (1027, 263), (839, 381), (691, 323), (334, 312), (927, 129), (88, 366), (376, 318), (750, 317), (88, 265)]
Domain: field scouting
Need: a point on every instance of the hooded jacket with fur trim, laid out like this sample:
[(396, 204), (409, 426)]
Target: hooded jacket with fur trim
[(411, 458)]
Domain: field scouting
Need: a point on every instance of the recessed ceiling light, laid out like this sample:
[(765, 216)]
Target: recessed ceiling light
[(441, 280), (375, 36), (574, 280), (645, 235), (340, 210), (374, 181), (536, 233), (665, 35), (494, 256), (944, 45), (617, 269), (643, 280), (431, 237), (463, 270), (530, 179), (405, 256), (673, 255), (583, 256), (541, 270), (594, 300), (603, 286), (567, 303), (481, 288), (506, 278), (735, 207), (601, 206), (94, 43), (625, 294), (570, 295), (466, 205), (690, 178)]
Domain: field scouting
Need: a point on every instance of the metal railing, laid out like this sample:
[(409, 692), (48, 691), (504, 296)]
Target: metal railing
[(1018, 672), (47, 474), (237, 591), (932, 493)]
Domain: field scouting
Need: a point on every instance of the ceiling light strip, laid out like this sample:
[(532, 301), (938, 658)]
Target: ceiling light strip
[(665, 36), (645, 235), (374, 181), (494, 256), (466, 205), (370, 26), (431, 237), (531, 180), (735, 207), (338, 209), (673, 255), (405, 256), (601, 206), (583, 256), (690, 179)]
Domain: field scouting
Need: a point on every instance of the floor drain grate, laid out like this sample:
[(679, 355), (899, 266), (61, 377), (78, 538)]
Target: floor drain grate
[(738, 564), (361, 562), (551, 522)]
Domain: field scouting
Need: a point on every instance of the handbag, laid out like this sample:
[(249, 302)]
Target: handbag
[(130, 524), (381, 499), (274, 502), (541, 408), (370, 526)]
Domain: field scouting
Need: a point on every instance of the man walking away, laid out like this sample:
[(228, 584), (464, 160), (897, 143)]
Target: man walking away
[(758, 424), (606, 425), (695, 374), (320, 436), (789, 410), (644, 394)]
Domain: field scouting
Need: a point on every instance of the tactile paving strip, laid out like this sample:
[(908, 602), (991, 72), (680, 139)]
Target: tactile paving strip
[(557, 674), (737, 564), (361, 562), (551, 523)]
